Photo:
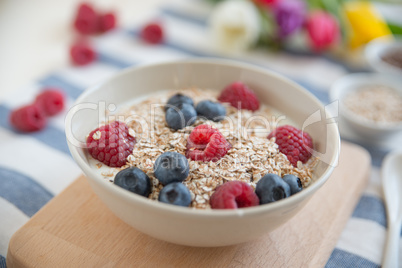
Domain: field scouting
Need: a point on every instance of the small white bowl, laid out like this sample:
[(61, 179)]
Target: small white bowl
[(377, 48), (364, 128), (188, 226)]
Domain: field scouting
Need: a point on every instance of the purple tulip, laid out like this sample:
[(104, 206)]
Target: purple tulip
[(289, 15)]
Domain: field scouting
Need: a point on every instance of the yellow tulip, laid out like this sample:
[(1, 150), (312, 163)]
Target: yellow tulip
[(365, 23)]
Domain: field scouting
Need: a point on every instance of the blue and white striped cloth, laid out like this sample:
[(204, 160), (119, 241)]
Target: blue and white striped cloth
[(36, 167)]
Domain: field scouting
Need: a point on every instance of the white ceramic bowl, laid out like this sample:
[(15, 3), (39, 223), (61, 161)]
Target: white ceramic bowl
[(377, 48), (188, 226), (369, 131)]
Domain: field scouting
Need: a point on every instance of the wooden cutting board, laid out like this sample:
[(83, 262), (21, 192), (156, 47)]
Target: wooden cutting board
[(75, 229)]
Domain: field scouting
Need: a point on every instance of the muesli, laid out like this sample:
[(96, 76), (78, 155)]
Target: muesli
[(232, 140)]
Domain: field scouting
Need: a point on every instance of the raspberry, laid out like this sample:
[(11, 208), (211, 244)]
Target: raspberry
[(111, 144), (234, 194), (28, 118), (51, 101), (240, 97), (152, 33), (206, 144), (106, 22), (86, 19), (293, 143), (82, 53)]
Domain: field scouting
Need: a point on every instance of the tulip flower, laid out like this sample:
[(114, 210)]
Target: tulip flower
[(323, 30), (235, 25), (289, 15), (266, 3), (365, 23)]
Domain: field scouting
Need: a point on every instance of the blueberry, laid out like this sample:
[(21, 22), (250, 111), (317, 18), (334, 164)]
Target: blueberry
[(178, 99), (211, 110), (171, 167), (271, 188), (175, 193), (181, 116), (294, 183), (134, 180)]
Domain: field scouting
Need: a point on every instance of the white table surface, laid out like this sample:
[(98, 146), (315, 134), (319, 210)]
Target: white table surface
[(36, 34)]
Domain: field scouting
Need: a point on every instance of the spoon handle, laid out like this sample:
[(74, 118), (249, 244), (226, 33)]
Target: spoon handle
[(390, 259)]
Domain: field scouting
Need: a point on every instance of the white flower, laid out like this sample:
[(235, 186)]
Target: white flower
[(235, 25)]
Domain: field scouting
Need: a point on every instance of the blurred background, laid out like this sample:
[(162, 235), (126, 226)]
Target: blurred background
[(36, 35)]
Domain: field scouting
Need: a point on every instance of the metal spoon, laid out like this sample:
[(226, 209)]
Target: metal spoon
[(391, 173)]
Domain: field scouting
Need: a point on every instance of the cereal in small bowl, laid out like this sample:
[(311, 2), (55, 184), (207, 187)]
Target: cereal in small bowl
[(370, 104), (384, 54)]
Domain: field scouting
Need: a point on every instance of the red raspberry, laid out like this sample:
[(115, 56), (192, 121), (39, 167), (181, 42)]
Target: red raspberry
[(240, 97), (206, 144), (51, 101), (111, 144), (86, 19), (82, 53), (28, 118), (293, 143), (152, 33), (106, 22), (234, 194)]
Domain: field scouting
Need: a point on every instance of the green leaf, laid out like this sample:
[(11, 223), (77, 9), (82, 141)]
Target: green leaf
[(215, 1), (268, 27), (314, 4), (395, 29), (334, 7)]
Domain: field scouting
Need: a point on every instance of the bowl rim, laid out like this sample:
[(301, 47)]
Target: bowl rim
[(215, 213), (376, 47), (364, 78)]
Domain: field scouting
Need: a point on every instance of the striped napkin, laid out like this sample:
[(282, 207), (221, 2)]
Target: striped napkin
[(36, 167)]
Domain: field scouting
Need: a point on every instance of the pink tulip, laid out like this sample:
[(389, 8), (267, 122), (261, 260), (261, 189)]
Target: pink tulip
[(323, 30), (266, 3)]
